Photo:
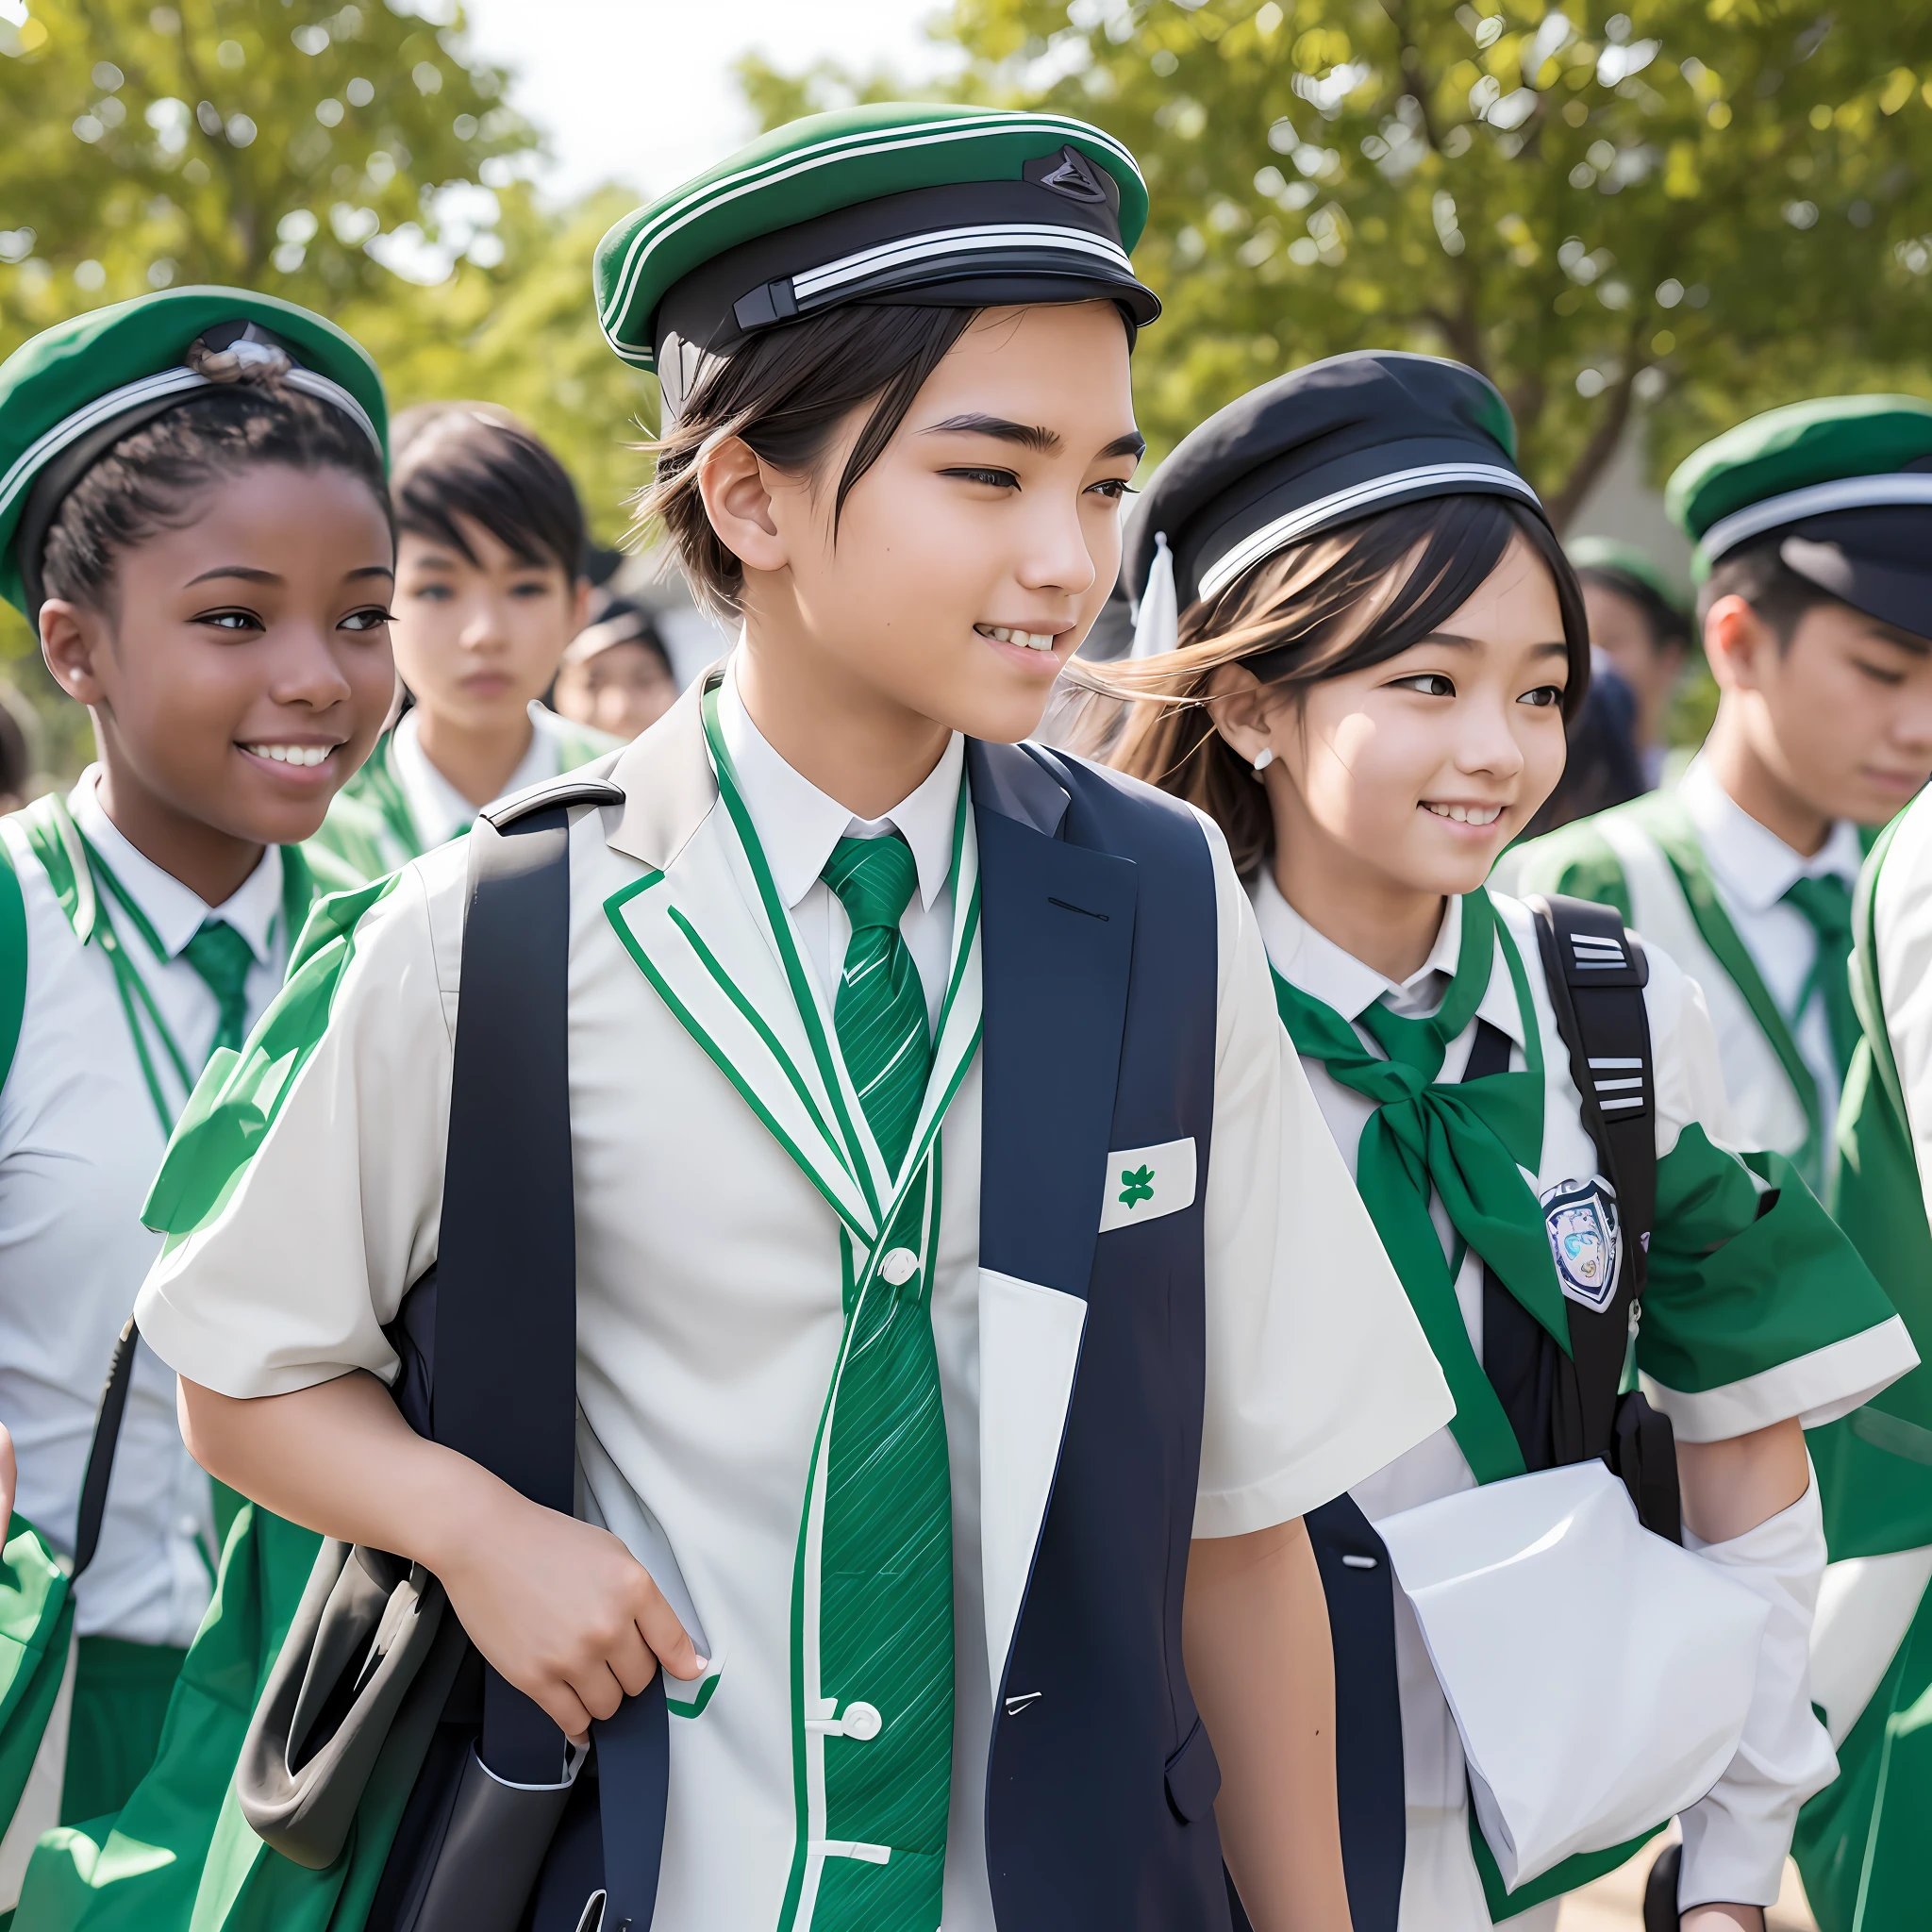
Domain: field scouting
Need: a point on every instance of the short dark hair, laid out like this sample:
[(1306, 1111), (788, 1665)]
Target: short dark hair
[(149, 480), (1666, 624), (1758, 573), (1295, 619), (785, 393), (476, 460)]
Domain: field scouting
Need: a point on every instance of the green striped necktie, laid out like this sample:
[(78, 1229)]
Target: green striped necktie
[(886, 1647)]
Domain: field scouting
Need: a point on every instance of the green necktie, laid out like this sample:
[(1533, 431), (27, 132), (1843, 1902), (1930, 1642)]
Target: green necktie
[(1466, 1142), (1825, 903), (886, 1548), (223, 958)]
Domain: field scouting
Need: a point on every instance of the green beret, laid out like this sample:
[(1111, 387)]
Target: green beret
[(74, 391), (898, 202), (1844, 485), (1609, 558)]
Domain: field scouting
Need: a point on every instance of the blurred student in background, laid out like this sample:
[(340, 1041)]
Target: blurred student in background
[(1641, 623), (16, 751), (489, 590), (616, 675)]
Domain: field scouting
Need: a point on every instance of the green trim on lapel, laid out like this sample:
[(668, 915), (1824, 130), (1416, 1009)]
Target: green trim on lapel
[(1866, 993), (1662, 816), (55, 840), (613, 909)]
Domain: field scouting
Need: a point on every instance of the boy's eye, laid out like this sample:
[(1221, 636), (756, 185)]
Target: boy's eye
[(373, 618), (1877, 673), (531, 587), (991, 480), (432, 593), (1544, 694), (1431, 684)]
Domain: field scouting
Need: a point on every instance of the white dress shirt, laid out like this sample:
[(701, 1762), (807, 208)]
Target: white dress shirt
[(439, 809), (79, 1143), (1753, 869)]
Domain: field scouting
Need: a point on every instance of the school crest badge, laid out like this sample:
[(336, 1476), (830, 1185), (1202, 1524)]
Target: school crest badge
[(1585, 1239)]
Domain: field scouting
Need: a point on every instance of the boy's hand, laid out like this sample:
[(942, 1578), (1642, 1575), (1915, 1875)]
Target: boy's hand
[(564, 1612)]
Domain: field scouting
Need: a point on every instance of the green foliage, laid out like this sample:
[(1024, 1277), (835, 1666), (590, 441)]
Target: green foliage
[(357, 158), (1707, 205)]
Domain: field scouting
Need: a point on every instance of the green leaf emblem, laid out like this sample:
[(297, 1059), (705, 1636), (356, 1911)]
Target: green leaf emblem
[(1137, 1185)]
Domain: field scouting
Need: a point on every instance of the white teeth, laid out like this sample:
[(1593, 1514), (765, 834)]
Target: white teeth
[(1466, 814), (293, 753), (1026, 640)]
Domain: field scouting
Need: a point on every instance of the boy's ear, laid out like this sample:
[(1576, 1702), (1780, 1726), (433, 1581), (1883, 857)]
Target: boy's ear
[(1735, 641), (1240, 705), (72, 636), (737, 500)]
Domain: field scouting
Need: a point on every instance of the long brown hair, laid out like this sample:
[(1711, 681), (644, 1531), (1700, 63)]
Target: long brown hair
[(1340, 602)]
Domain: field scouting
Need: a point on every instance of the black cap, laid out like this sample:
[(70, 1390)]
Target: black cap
[(1312, 450)]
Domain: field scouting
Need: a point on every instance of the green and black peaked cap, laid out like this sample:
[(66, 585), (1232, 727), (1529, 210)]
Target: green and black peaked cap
[(76, 389), (897, 204), (1844, 484)]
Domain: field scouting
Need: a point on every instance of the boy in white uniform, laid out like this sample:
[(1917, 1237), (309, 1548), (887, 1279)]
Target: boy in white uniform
[(965, 1276), (1809, 521)]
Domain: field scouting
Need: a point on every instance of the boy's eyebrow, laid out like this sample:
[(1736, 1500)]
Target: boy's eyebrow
[(1905, 640), (1031, 436)]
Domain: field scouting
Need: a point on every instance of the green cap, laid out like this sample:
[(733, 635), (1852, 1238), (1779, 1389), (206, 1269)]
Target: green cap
[(76, 389), (898, 202), (1612, 558), (1843, 483)]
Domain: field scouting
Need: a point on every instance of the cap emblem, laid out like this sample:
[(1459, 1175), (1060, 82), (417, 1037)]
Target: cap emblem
[(1074, 176)]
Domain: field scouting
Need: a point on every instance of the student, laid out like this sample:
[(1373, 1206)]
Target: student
[(1640, 621), (616, 674), (1810, 522), (1861, 1842), (193, 513), (489, 589), (16, 750), (1378, 641), (893, 346)]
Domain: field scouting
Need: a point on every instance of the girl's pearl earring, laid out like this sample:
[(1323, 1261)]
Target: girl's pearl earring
[(1263, 758)]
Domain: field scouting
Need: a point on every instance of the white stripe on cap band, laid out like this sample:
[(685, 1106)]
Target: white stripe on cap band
[(701, 200), (853, 268), (1342, 505), (1895, 489), (35, 458), (165, 382)]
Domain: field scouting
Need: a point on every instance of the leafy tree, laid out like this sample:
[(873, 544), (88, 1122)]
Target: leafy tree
[(355, 158), (1723, 203)]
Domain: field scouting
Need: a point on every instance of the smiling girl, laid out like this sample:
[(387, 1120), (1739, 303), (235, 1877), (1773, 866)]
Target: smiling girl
[(1378, 643), (489, 590), (192, 510)]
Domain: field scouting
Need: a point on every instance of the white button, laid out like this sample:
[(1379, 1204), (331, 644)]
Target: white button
[(863, 1722), (900, 1266)]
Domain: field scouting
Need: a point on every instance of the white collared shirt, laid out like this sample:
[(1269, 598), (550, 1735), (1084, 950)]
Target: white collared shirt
[(1753, 869), (439, 809), (799, 826), (79, 1143)]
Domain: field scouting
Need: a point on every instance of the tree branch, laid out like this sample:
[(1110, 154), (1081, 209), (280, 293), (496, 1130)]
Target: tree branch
[(1602, 445)]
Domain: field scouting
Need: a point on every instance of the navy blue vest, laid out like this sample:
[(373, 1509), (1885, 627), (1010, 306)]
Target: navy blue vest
[(1100, 968)]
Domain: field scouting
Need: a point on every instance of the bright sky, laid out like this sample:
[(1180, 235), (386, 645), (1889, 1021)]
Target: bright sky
[(640, 90)]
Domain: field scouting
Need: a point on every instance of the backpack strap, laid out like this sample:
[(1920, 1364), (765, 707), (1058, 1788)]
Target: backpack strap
[(1596, 972)]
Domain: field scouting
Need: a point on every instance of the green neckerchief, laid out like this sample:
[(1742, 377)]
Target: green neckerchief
[(1466, 1142), (85, 884), (1662, 815)]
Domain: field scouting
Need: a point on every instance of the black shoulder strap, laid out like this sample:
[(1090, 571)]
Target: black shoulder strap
[(505, 1389), (1596, 972)]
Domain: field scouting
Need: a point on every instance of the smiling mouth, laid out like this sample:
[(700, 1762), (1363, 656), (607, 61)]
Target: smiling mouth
[(1465, 814), (294, 754), (1026, 640)]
